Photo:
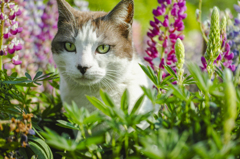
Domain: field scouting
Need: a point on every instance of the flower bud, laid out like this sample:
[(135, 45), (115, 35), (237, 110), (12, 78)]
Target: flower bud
[(6, 33), (14, 29), (11, 48), (214, 43), (2, 17), (180, 51), (12, 15)]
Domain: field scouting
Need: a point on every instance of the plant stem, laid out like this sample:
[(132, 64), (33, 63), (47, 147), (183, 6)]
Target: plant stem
[(126, 145), (1, 37), (82, 131), (200, 21), (73, 155), (237, 76)]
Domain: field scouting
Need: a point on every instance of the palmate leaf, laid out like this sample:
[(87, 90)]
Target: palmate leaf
[(28, 76), (49, 76), (39, 73)]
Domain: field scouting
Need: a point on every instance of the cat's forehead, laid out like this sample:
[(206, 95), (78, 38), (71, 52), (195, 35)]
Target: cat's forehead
[(84, 17), (92, 27)]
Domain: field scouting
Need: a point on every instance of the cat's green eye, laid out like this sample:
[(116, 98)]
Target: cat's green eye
[(70, 47), (103, 49)]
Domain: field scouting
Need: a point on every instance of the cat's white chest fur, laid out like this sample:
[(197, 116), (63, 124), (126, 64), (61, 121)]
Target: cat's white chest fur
[(132, 82)]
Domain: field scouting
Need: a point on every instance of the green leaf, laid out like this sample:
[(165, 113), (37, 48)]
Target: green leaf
[(125, 101), (39, 73), (16, 82), (90, 141), (43, 146), (219, 72), (106, 99), (150, 93), (178, 92), (28, 76), (57, 141), (155, 79), (66, 124), (149, 72), (37, 83), (137, 105), (98, 104), (14, 74), (38, 151), (94, 117), (200, 78), (170, 71)]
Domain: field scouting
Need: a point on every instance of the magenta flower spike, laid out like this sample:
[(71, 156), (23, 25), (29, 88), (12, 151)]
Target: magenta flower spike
[(165, 32)]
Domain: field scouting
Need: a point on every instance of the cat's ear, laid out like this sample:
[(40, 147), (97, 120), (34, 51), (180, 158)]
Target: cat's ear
[(122, 13), (65, 11)]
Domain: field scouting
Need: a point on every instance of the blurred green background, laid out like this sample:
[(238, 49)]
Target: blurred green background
[(143, 9)]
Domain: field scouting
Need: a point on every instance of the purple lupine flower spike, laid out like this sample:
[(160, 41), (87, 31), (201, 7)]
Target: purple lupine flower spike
[(166, 32)]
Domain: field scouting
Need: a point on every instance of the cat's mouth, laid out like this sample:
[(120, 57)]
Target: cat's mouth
[(86, 80)]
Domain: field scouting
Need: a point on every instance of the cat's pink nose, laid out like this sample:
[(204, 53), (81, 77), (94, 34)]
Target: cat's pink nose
[(82, 69)]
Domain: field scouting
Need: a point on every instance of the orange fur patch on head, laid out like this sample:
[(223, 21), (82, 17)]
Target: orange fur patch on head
[(130, 13)]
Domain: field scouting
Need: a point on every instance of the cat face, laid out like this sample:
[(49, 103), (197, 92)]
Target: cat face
[(93, 47)]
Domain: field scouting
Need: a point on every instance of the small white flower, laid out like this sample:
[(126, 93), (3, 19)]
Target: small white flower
[(5, 17), (12, 12), (14, 40), (16, 8), (15, 58), (6, 30), (15, 26), (11, 46), (4, 47)]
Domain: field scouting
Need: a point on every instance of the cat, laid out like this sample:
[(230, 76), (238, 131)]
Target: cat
[(93, 51)]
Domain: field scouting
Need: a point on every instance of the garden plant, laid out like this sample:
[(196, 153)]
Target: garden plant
[(198, 107)]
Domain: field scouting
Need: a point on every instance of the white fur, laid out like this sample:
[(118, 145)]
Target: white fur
[(107, 72)]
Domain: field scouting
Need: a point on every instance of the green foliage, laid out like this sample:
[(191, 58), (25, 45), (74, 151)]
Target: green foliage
[(16, 108), (197, 124), (185, 123)]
